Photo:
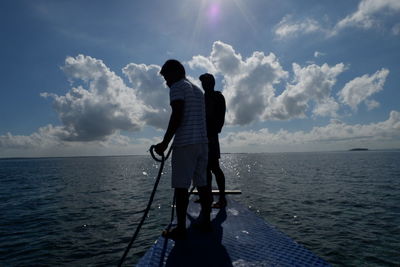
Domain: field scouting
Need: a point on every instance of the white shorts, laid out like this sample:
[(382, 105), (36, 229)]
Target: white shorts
[(189, 163)]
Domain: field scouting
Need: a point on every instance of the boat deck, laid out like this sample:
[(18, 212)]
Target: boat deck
[(239, 238)]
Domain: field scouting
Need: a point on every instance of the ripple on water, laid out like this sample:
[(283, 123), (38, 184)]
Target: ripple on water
[(83, 211)]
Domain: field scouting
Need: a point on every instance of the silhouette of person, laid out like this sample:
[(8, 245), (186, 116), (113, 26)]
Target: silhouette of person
[(186, 253), (215, 118), (187, 125)]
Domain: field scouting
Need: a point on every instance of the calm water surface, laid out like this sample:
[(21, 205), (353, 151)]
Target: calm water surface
[(343, 206)]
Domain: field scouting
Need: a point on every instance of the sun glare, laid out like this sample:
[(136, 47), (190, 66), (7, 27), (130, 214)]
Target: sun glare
[(213, 11)]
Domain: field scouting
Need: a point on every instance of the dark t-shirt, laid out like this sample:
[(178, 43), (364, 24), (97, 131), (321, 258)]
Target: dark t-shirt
[(215, 112), (215, 117)]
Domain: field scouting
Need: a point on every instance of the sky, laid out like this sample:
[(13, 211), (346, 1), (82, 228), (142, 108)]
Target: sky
[(81, 78)]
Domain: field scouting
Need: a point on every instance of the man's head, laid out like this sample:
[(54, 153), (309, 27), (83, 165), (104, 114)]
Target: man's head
[(207, 81), (172, 71)]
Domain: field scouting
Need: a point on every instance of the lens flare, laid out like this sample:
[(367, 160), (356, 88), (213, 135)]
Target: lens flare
[(213, 12)]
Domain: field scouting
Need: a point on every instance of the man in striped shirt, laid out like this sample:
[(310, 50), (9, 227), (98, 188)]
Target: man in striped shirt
[(190, 150)]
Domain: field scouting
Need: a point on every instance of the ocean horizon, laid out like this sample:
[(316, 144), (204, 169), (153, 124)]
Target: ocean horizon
[(222, 153)]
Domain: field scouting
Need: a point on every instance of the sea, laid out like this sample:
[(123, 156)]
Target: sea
[(83, 211)]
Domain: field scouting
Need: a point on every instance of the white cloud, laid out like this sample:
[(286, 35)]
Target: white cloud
[(46, 142), (44, 137), (50, 136), (371, 104), (103, 104), (361, 88), (289, 28), (318, 54), (335, 135), (249, 86), (326, 107), (202, 62), (366, 16), (248, 83), (225, 59), (369, 14), (311, 83), (100, 105), (150, 88)]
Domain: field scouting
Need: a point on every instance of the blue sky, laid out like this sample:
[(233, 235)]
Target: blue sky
[(81, 77)]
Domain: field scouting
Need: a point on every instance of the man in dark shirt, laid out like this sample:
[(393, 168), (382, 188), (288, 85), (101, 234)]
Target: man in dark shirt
[(215, 117)]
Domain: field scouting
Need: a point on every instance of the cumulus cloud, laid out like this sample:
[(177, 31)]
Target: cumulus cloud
[(202, 62), (97, 108), (287, 27), (326, 107), (44, 137), (102, 103), (366, 15), (151, 89), (369, 14), (335, 135), (250, 86), (46, 142), (248, 83), (97, 111), (312, 83), (335, 131), (361, 88)]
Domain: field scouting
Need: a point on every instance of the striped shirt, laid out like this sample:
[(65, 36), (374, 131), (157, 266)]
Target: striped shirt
[(192, 129)]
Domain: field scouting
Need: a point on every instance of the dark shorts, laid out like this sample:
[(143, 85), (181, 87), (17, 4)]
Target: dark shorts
[(213, 149)]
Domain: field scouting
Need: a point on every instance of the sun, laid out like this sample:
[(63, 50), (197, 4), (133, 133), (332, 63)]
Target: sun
[(212, 13)]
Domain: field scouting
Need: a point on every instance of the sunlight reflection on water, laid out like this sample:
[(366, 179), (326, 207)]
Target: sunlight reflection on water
[(82, 211)]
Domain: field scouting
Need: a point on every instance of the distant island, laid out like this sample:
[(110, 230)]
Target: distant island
[(359, 149)]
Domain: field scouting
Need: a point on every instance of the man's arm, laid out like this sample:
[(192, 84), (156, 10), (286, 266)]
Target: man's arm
[(174, 122)]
